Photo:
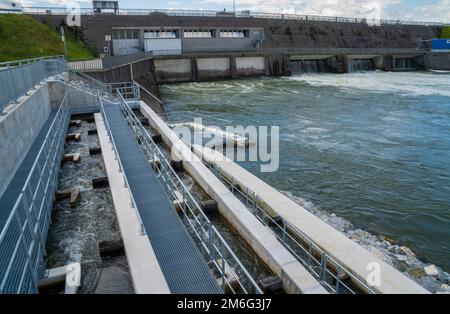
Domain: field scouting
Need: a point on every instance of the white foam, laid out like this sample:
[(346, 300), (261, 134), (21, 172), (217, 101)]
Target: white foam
[(403, 83)]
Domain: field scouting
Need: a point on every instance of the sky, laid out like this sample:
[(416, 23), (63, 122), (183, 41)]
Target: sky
[(418, 10)]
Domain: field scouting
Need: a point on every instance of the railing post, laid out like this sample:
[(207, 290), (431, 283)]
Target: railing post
[(211, 243), (12, 84), (323, 267), (222, 255)]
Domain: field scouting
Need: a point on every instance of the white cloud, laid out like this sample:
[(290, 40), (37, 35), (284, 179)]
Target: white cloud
[(439, 11)]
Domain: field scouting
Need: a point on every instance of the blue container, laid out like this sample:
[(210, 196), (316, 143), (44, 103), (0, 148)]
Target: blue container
[(440, 44)]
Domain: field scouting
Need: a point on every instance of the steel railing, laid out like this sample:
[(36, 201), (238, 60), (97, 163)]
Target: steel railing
[(116, 153), (130, 90), (237, 14), (17, 78), (219, 256), (22, 239), (109, 62), (330, 273), (115, 61)]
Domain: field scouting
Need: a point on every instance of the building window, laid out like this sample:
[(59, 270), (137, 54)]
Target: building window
[(126, 34), (160, 33), (189, 33), (234, 33)]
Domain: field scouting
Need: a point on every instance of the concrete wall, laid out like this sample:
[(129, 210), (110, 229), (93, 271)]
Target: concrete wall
[(277, 33), (18, 129), (80, 101), (206, 67), (213, 68), (436, 61), (249, 66), (348, 253), (142, 72), (296, 279), (173, 70)]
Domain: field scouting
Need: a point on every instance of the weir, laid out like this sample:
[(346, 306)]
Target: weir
[(358, 65), (404, 64), (310, 66)]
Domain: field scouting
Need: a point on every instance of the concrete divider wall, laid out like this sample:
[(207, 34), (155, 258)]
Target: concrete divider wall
[(250, 66), (278, 33), (353, 257), (436, 61), (18, 129), (295, 277), (173, 70), (213, 68), (80, 101), (145, 271)]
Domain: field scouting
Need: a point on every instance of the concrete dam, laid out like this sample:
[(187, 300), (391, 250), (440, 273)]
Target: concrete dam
[(102, 195)]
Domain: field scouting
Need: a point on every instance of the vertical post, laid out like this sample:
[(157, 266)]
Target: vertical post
[(63, 38), (13, 84), (211, 243), (222, 255)]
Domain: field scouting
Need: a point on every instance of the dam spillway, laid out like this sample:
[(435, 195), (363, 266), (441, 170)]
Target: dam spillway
[(315, 132)]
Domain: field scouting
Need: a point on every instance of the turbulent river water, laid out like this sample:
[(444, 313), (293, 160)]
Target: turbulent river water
[(372, 147)]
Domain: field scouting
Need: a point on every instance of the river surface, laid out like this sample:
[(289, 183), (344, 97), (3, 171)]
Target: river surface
[(371, 147)]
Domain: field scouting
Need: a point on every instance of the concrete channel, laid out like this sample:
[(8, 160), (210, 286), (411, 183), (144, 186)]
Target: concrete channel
[(307, 227), (302, 226), (79, 226), (295, 277)]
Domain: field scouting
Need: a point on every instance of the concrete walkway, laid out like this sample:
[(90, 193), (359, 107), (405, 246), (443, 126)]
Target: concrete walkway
[(14, 188), (183, 267)]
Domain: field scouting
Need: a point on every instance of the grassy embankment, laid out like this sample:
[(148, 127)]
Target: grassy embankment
[(22, 37), (445, 33)]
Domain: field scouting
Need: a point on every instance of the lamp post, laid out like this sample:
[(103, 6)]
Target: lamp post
[(234, 7), (63, 38)]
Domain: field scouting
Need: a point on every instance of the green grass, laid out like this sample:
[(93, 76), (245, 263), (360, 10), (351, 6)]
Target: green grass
[(445, 33), (22, 37)]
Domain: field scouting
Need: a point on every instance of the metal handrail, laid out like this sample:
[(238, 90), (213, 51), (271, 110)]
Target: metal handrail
[(129, 89), (148, 93), (21, 76), (305, 253), (27, 61), (117, 156), (30, 216), (238, 14), (212, 244)]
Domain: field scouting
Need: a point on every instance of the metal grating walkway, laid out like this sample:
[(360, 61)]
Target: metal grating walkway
[(183, 266), (14, 188)]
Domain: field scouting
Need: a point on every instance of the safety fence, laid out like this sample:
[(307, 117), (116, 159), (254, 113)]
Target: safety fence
[(237, 14), (109, 62), (224, 263), (17, 78), (330, 273), (23, 236)]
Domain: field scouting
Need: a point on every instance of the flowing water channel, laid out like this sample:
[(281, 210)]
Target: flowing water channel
[(371, 147)]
